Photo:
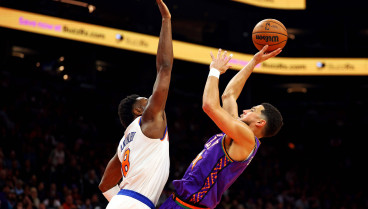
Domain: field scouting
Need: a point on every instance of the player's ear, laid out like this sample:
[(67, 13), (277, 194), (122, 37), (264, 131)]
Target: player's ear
[(138, 110), (261, 123)]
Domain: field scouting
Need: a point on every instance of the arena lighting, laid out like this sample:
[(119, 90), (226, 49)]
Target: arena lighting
[(61, 68), (21, 52), (91, 8), (320, 65), (18, 54), (101, 65), (291, 36), (66, 77), (297, 87), (99, 68), (293, 32), (119, 37)]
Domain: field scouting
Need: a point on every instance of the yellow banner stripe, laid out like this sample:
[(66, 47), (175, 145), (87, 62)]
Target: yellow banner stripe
[(79, 31)]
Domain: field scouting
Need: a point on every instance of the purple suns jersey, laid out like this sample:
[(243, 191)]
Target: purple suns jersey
[(211, 173)]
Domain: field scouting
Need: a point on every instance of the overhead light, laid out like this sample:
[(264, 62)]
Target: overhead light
[(291, 36), (21, 52), (66, 77), (297, 89), (100, 68), (76, 3), (18, 54), (91, 8), (61, 68), (101, 65)]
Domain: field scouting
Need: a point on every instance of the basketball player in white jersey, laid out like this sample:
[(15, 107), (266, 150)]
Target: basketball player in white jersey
[(142, 157)]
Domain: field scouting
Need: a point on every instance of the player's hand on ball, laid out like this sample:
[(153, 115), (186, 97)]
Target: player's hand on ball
[(262, 56), (221, 61)]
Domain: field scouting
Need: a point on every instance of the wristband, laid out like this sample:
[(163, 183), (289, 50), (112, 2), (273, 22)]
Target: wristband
[(214, 72), (111, 192)]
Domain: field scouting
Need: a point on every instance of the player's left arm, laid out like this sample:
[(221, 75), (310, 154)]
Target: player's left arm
[(111, 177)]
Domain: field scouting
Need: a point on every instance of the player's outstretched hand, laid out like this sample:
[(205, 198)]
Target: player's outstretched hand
[(221, 61), (165, 13), (261, 56)]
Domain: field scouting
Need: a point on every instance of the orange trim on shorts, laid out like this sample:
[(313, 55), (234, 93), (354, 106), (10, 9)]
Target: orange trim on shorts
[(184, 204)]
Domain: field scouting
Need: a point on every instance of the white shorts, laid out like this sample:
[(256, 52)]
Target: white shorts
[(125, 202)]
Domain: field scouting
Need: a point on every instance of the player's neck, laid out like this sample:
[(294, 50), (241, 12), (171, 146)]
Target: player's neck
[(257, 133)]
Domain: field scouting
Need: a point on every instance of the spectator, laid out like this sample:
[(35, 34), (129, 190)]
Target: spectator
[(34, 197), (19, 187), (41, 191), (12, 199), (95, 202), (52, 202), (69, 203), (57, 157), (3, 197), (42, 206), (91, 181)]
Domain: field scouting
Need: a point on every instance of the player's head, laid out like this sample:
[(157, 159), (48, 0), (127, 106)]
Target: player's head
[(264, 117), (130, 108)]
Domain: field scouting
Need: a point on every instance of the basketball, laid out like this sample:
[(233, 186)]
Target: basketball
[(269, 32)]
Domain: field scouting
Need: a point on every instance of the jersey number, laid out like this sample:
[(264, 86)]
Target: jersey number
[(125, 164)]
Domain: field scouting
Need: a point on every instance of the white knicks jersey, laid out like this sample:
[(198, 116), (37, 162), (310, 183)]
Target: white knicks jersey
[(145, 162)]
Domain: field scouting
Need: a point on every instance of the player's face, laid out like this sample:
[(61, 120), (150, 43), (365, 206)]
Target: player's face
[(251, 115)]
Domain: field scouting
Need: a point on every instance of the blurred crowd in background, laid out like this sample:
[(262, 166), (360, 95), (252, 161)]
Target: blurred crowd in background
[(57, 138)]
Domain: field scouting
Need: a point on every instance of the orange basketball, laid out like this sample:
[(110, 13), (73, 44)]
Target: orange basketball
[(269, 32)]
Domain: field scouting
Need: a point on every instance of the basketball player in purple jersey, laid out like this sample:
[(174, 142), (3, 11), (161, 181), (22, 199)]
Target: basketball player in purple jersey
[(225, 155)]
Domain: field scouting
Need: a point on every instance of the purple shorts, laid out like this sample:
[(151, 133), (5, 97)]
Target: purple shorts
[(170, 203)]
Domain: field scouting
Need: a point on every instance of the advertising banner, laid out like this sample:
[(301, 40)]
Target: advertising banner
[(127, 40)]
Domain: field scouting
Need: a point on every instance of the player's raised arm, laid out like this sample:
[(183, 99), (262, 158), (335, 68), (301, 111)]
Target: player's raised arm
[(164, 58), (153, 118), (232, 127), (236, 84), (211, 101), (164, 62), (219, 65)]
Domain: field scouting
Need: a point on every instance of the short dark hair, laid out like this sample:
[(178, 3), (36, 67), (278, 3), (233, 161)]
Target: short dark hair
[(273, 118), (125, 110)]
